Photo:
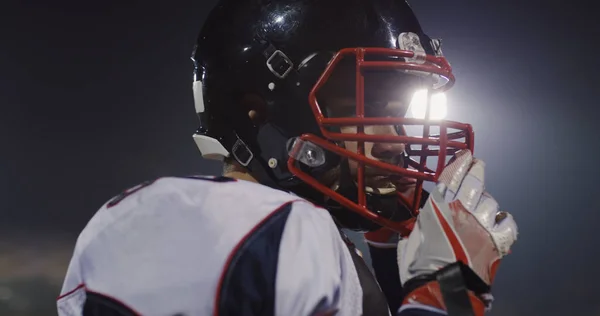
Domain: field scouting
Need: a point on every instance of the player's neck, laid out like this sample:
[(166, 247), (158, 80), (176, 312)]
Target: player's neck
[(240, 175)]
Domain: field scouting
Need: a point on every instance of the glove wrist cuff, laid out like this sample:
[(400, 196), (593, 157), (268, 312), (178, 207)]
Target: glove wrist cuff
[(455, 288), (430, 294)]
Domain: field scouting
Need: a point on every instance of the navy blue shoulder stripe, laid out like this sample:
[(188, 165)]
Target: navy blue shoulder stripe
[(247, 285), (97, 304)]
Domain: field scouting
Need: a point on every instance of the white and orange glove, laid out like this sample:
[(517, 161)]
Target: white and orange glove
[(459, 222)]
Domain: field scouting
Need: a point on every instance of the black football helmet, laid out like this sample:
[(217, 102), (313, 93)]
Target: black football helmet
[(277, 58)]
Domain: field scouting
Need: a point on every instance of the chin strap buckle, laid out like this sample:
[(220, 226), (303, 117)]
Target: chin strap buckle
[(242, 153)]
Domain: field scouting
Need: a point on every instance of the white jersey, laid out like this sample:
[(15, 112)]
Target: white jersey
[(211, 246)]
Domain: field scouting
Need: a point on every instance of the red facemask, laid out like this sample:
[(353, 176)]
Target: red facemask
[(446, 143)]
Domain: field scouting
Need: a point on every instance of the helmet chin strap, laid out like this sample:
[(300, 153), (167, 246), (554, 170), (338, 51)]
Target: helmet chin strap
[(272, 177), (259, 172), (388, 206), (294, 186)]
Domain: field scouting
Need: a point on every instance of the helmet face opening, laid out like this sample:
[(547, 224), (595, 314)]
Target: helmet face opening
[(380, 76)]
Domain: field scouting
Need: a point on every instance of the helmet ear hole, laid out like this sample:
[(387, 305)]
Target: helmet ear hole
[(253, 115), (256, 107)]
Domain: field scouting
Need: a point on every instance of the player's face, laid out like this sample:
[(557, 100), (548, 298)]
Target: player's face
[(376, 180), (387, 94)]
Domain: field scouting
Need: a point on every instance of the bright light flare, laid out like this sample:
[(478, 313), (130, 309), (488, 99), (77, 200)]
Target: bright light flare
[(438, 107)]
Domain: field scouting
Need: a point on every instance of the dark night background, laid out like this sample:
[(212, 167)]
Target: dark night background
[(96, 97)]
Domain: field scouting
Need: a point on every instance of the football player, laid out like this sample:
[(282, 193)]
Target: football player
[(327, 115)]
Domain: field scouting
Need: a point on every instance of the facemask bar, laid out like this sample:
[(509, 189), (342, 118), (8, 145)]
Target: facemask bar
[(447, 142)]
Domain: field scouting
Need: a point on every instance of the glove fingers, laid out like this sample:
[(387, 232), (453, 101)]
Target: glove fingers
[(407, 253), (400, 255), (505, 234), (452, 176), (472, 187), (486, 211)]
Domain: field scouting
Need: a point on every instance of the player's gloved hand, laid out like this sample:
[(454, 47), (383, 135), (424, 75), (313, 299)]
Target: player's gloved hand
[(460, 221)]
